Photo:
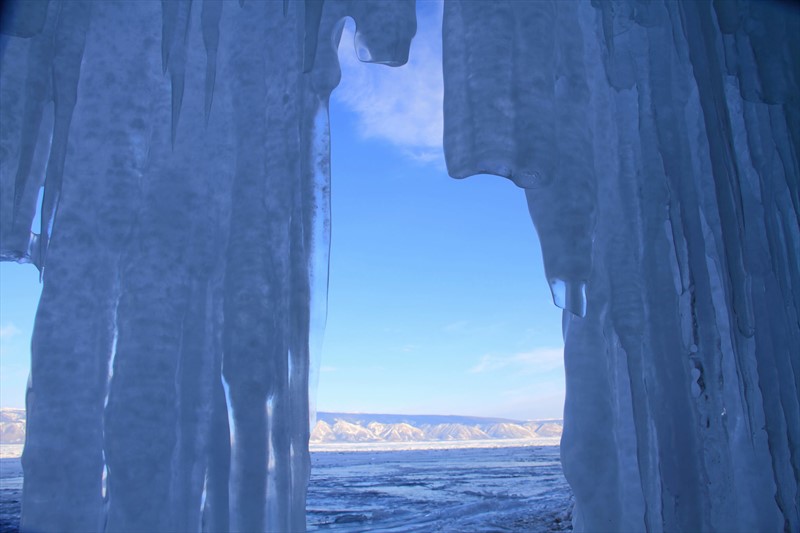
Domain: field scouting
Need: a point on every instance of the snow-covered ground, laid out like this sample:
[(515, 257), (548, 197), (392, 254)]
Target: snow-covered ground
[(496, 489)]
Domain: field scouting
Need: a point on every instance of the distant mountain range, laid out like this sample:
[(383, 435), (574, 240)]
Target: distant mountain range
[(357, 428), (373, 428)]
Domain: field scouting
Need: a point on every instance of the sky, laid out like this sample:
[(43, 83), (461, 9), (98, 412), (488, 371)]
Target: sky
[(438, 302)]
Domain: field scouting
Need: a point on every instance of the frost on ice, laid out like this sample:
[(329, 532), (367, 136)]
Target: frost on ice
[(178, 156)]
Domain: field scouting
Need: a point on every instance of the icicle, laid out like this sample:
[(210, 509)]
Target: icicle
[(384, 30), (169, 21), (212, 10), (69, 41), (176, 16), (23, 19), (313, 16), (530, 102), (216, 510), (726, 174), (69, 371), (319, 249), (18, 214), (144, 224), (195, 381)]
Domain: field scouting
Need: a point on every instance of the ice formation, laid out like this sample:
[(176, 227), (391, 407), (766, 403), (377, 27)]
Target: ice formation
[(183, 152), (657, 143), (178, 152)]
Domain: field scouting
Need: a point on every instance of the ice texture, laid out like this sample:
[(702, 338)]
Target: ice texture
[(180, 153), (657, 144)]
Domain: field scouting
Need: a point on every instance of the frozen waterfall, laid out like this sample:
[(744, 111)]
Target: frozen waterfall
[(177, 153)]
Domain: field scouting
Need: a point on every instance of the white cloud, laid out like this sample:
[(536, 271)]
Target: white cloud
[(537, 360), (8, 330), (327, 369), (400, 105)]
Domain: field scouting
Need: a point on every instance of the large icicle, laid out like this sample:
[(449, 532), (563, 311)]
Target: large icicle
[(181, 250), (167, 359), (266, 338), (68, 44), (74, 330), (681, 159), (25, 90), (518, 73)]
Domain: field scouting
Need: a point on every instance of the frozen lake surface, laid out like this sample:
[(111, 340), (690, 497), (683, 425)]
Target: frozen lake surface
[(519, 489), (460, 490), (10, 490)]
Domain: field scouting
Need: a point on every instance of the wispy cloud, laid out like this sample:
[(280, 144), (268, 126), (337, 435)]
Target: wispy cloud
[(400, 105), (326, 369), (536, 360), (8, 330)]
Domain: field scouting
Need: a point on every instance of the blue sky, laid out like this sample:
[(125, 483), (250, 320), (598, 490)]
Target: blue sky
[(438, 302)]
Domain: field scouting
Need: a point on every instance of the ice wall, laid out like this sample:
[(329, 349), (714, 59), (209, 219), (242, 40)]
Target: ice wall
[(182, 153), (657, 144)]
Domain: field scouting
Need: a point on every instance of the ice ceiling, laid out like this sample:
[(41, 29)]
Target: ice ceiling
[(183, 151)]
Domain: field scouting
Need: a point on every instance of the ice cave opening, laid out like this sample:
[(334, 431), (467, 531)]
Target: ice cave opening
[(184, 147), (407, 239)]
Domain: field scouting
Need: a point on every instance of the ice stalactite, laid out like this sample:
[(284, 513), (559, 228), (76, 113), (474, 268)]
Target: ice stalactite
[(171, 270), (490, 52), (185, 162), (663, 138), (74, 330), (25, 91), (294, 270), (68, 43), (212, 10)]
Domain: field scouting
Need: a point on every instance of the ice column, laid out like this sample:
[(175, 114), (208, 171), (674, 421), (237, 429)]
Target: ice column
[(657, 143), (181, 155), (269, 394)]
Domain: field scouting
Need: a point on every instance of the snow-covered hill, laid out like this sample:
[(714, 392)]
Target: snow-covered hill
[(362, 428), (510, 431), (358, 427)]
